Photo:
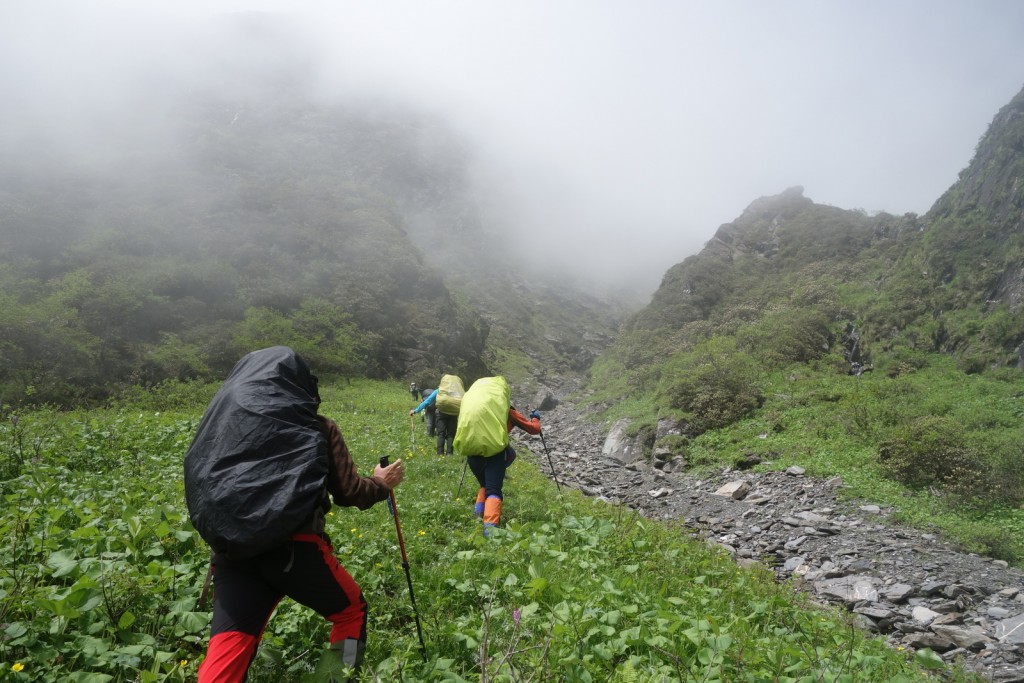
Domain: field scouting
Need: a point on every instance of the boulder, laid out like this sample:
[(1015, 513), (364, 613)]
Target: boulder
[(737, 490), (544, 400), (618, 445)]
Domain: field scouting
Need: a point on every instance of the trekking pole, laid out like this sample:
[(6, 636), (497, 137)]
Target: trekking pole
[(412, 432), (405, 561), (462, 479), (548, 453)]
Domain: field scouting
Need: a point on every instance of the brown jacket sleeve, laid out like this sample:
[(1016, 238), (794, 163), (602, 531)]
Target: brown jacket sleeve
[(345, 485)]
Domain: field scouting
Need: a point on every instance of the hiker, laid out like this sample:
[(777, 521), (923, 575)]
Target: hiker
[(430, 414), (261, 447), (485, 419), (445, 400), (415, 391)]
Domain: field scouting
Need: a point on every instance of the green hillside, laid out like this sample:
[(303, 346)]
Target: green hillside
[(885, 348)]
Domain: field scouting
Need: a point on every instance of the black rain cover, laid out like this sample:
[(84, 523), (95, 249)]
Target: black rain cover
[(257, 467)]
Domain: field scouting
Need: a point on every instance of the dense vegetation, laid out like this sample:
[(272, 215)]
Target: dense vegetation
[(248, 233), (100, 571), (257, 214), (884, 348)]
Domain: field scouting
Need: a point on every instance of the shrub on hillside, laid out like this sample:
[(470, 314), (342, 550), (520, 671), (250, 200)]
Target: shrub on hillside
[(788, 336), (931, 451), (715, 385)]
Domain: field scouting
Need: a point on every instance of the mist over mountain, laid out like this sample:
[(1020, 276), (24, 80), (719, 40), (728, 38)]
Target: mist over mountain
[(161, 215), (208, 214), (791, 282)]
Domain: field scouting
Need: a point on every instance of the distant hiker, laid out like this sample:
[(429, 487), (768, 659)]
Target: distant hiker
[(446, 399), (485, 420), (259, 478), (415, 391), (430, 414)]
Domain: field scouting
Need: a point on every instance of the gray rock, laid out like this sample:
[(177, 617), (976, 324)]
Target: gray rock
[(924, 616), (849, 589), (544, 400), (619, 446), (737, 490), (934, 641), (1011, 630), (898, 592), (967, 638)]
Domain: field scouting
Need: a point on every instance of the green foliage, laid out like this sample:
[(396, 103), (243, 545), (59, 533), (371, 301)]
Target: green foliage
[(787, 336), (931, 451), (319, 331), (100, 572), (715, 384)]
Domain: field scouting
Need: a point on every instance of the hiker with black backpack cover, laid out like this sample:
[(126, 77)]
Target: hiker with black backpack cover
[(260, 475)]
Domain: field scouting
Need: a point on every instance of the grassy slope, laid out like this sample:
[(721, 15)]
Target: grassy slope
[(833, 424), (99, 572)]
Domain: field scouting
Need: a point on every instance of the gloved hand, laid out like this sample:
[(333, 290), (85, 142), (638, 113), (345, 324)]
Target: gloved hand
[(534, 414)]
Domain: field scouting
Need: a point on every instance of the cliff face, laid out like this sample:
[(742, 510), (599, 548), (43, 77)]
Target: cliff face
[(774, 236), (975, 241), (993, 183)]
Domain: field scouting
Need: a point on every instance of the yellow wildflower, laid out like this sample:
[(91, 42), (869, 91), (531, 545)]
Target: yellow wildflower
[(422, 532), (183, 663), (17, 666)]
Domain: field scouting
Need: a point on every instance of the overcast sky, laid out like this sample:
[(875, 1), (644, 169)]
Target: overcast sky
[(630, 129)]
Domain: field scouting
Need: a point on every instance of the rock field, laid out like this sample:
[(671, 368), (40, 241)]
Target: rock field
[(910, 586)]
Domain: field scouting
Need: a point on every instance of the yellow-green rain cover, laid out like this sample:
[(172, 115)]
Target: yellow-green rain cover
[(483, 418)]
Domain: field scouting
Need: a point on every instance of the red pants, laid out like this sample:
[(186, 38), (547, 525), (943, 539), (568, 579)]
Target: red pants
[(247, 591)]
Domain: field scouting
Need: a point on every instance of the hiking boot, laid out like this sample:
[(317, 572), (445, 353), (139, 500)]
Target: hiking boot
[(339, 663)]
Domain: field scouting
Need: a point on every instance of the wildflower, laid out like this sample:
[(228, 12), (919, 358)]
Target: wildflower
[(183, 663), (422, 532), (516, 616), (17, 666), (354, 529)]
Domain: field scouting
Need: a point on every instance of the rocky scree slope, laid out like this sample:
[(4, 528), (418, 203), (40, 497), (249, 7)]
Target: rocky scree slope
[(910, 586)]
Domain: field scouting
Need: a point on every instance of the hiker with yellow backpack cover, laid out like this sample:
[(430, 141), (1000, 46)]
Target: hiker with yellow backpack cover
[(486, 417), (446, 399)]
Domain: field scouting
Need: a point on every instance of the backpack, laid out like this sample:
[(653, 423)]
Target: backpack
[(257, 468), (483, 420), (449, 395)]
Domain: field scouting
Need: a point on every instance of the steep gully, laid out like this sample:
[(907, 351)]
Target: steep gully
[(912, 587)]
